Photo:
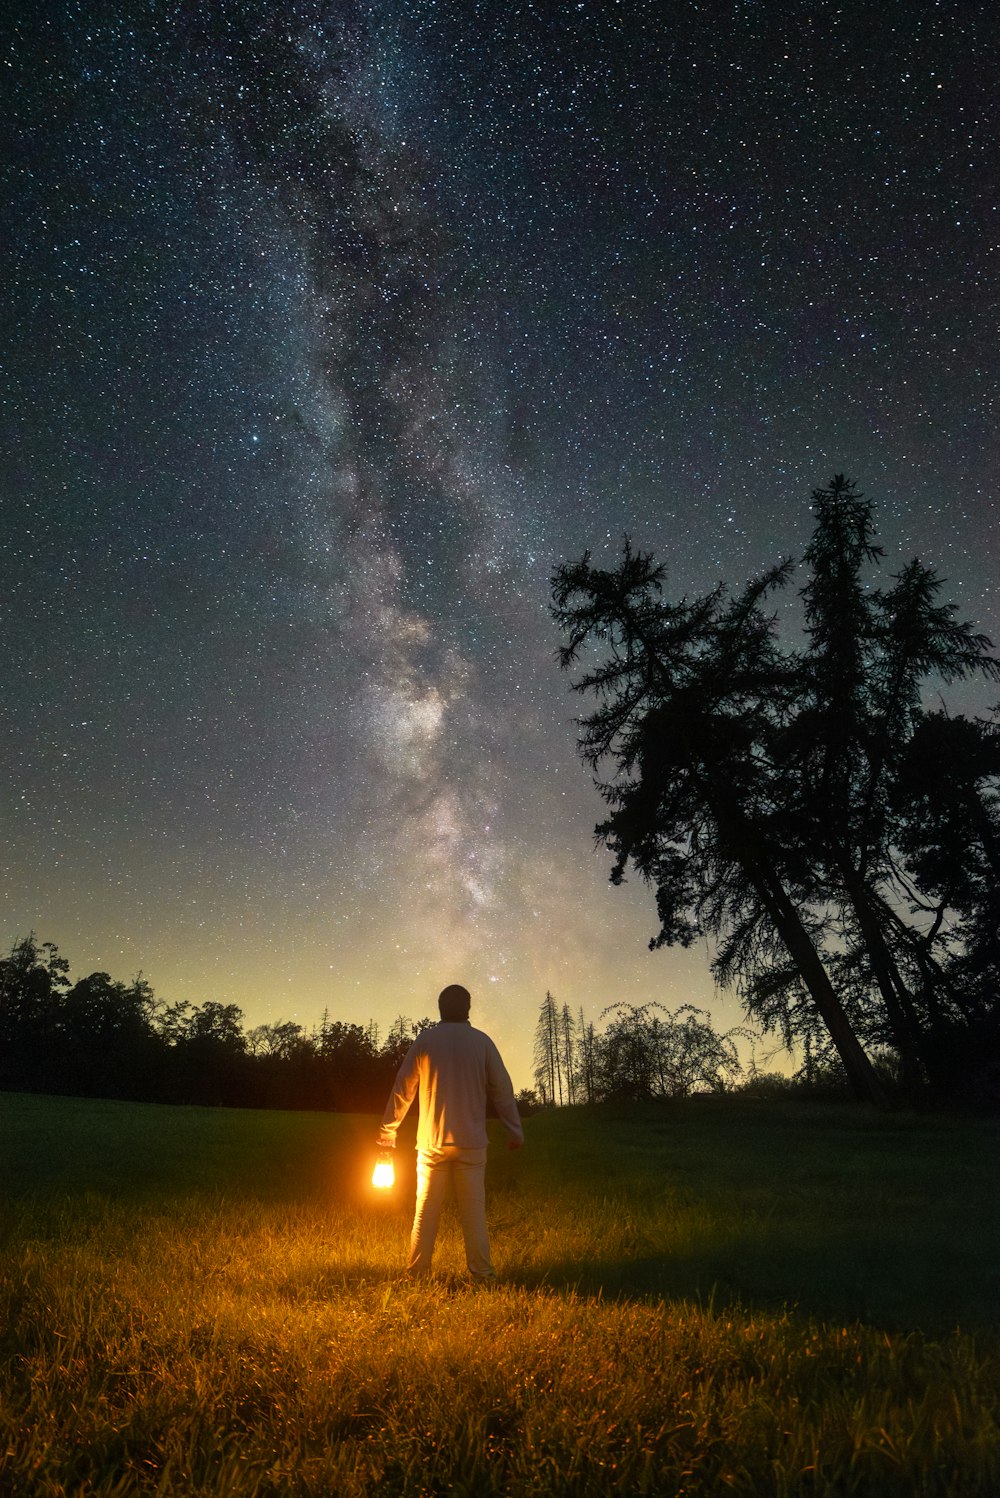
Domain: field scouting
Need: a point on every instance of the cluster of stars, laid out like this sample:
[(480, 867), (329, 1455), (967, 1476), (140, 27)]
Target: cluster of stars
[(332, 330)]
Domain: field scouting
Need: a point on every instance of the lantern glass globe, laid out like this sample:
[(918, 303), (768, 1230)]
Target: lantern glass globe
[(383, 1176)]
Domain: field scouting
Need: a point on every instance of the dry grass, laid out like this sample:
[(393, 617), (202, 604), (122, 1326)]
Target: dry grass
[(259, 1339)]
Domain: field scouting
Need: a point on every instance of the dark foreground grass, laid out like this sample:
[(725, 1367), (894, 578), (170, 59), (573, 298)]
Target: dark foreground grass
[(709, 1299)]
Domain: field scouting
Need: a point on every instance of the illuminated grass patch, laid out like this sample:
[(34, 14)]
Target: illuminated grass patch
[(250, 1334)]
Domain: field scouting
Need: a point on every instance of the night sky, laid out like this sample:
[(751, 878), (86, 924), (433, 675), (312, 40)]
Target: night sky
[(329, 330)]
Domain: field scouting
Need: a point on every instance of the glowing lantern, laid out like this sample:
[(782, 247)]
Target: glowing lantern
[(384, 1175)]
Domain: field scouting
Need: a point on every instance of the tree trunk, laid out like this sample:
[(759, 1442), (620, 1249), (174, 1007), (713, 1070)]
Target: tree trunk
[(789, 926), (898, 1003), (746, 847)]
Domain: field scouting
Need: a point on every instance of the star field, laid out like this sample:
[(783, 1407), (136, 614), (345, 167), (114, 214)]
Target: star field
[(330, 330)]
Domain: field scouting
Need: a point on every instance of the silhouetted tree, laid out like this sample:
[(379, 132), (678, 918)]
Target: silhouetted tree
[(32, 979), (568, 1048), (947, 813), (106, 1045), (691, 700), (209, 1056), (868, 656), (646, 1052), (783, 802), (548, 1054), (586, 1073), (283, 1039)]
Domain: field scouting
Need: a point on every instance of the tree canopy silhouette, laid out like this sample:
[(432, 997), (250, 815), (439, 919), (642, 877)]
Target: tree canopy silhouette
[(101, 1038), (772, 797)]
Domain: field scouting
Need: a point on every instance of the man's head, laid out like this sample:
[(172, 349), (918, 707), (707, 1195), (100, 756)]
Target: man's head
[(454, 1001)]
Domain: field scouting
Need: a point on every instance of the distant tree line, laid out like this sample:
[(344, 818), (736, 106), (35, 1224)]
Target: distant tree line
[(813, 808), (102, 1038), (644, 1052)]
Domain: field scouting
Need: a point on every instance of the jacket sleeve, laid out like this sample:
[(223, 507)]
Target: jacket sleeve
[(404, 1090), (500, 1091)]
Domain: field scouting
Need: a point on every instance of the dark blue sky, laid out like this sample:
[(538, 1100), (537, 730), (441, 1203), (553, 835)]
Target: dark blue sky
[(331, 330)]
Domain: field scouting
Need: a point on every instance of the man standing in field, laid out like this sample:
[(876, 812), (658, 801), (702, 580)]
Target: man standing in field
[(454, 1070)]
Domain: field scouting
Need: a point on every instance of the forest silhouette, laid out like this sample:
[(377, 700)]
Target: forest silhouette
[(102, 1038)]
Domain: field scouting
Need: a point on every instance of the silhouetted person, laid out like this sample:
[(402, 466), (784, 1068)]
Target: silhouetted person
[(456, 1070)]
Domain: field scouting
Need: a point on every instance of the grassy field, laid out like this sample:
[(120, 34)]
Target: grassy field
[(722, 1297)]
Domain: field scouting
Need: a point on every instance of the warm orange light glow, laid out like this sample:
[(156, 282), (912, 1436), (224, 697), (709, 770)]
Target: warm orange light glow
[(383, 1176)]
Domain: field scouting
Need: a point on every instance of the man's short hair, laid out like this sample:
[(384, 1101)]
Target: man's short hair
[(454, 1002)]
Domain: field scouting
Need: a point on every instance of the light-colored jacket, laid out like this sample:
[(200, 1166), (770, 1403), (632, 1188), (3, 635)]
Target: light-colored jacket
[(455, 1069)]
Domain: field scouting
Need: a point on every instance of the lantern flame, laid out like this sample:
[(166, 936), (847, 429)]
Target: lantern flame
[(383, 1176)]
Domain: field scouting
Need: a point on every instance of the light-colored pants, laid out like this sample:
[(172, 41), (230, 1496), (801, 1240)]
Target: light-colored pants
[(464, 1170)]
